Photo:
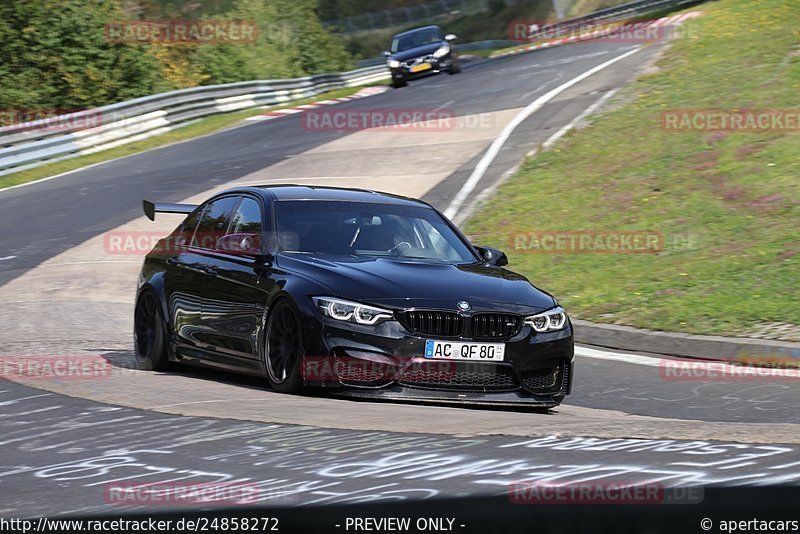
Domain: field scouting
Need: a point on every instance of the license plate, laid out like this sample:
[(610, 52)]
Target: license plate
[(455, 350), (420, 67)]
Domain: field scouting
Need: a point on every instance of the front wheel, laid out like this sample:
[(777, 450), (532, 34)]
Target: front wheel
[(455, 67), (282, 349), (397, 84), (150, 340)]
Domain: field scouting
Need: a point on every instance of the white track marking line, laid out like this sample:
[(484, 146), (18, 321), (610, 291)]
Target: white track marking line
[(649, 361), (7, 258), (571, 124), (448, 103), (470, 208), (723, 368), (530, 109)]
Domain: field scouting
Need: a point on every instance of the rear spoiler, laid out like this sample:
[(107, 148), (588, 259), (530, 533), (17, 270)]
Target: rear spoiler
[(151, 208)]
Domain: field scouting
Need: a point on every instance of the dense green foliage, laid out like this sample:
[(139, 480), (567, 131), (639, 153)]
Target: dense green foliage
[(55, 54)]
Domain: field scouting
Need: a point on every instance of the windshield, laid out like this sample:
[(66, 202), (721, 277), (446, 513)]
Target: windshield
[(368, 229), (422, 37)]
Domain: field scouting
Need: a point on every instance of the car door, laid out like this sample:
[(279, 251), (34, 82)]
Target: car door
[(190, 271), (183, 279), (234, 303)]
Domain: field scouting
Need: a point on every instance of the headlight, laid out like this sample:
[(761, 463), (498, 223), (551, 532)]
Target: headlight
[(393, 63), (441, 51), (351, 312), (549, 321)]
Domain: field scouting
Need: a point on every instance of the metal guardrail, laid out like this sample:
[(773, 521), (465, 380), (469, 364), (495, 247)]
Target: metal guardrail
[(29, 145), (612, 14)]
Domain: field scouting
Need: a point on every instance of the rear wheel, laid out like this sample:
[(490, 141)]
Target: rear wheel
[(150, 340), (282, 349), (397, 84), (455, 67)]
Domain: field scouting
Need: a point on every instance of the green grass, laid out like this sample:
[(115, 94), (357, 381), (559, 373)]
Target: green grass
[(484, 53), (733, 194), (204, 126)]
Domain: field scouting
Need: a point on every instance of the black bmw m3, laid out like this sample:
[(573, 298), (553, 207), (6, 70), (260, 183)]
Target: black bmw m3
[(362, 293)]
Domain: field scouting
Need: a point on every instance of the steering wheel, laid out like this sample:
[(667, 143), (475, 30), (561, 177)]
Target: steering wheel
[(396, 248)]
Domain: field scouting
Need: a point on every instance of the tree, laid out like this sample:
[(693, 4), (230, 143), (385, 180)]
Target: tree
[(54, 55)]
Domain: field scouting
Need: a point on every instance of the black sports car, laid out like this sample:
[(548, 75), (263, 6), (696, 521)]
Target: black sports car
[(420, 52), (364, 293)]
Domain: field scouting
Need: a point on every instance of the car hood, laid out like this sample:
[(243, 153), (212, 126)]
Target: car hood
[(417, 51), (398, 283)]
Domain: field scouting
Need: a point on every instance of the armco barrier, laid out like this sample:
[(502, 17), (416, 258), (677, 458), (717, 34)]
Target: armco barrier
[(616, 13), (24, 146)]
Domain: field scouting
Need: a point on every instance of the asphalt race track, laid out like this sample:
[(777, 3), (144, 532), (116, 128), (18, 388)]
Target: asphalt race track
[(65, 292)]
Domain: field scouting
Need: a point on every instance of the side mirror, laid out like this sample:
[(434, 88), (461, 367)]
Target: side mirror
[(386, 53), (243, 244), (450, 37), (493, 256)]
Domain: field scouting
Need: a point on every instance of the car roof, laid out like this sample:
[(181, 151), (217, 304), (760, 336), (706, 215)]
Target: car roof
[(418, 29), (312, 192)]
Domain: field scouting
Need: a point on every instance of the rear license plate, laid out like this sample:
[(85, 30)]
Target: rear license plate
[(456, 350), (420, 67)]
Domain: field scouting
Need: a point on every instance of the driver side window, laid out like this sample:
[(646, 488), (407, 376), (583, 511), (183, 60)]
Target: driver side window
[(244, 234), (214, 223), (247, 219)]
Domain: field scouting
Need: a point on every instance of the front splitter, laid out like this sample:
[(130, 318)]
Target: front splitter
[(454, 397)]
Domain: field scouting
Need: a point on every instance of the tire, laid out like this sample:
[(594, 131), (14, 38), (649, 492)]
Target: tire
[(149, 335), (397, 84), (283, 348), (455, 67)]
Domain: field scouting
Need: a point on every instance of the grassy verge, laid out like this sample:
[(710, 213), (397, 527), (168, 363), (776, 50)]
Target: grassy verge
[(204, 126), (488, 52), (726, 203)]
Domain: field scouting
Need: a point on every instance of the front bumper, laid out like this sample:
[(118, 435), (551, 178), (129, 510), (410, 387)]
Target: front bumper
[(388, 362), (404, 72)]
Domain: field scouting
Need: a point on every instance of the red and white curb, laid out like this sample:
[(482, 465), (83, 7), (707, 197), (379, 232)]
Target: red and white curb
[(674, 20), (362, 93)]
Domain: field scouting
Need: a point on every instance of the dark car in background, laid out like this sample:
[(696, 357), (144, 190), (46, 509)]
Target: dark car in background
[(420, 52), (363, 293)]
